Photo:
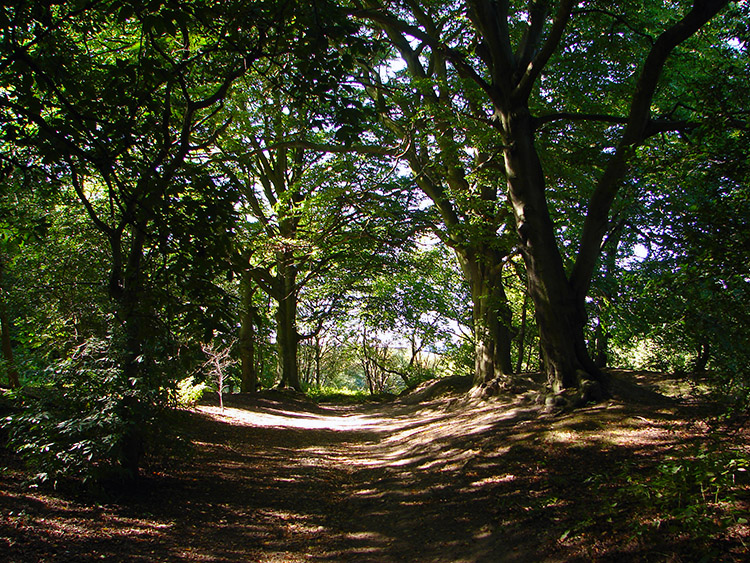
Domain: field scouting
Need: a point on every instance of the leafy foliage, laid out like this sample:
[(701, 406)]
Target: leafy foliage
[(189, 392), (693, 491), (161, 161), (81, 422), (681, 299)]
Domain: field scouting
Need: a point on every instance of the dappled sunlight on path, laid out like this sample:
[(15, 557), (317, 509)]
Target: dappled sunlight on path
[(290, 419), (450, 480), (394, 436)]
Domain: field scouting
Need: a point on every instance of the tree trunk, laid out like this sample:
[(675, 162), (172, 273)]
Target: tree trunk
[(522, 333), (701, 361), (528, 356), (318, 360), (248, 316), (560, 321), (7, 348), (287, 336), (491, 314), (608, 271), (287, 340), (367, 367), (6, 345), (127, 291), (601, 341)]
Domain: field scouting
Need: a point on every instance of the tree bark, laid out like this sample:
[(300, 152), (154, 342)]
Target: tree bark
[(287, 336), (6, 344), (491, 314), (560, 321), (246, 342), (127, 291)]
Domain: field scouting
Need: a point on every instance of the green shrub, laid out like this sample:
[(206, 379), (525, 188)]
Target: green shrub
[(693, 491), (189, 392), (338, 395), (88, 423)]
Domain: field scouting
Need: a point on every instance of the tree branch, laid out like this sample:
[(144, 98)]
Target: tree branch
[(618, 18), (76, 181), (490, 19), (653, 126), (531, 38), (534, 68), (332, 148), (457, 59), (597, 217)]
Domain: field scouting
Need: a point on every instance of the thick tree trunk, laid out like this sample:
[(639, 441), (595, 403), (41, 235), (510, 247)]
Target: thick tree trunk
[(127, 291), (287, 336), (560, 321), (249, 374), (491, 314), (131, 409), (287, 340)]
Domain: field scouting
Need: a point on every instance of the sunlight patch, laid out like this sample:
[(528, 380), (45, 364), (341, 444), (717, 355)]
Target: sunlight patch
[(562, 437), (284, 419), (368, 493), (367, 536), (507, 478)]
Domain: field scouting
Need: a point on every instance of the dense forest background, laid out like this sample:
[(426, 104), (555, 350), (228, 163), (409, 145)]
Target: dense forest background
[(359, 196)]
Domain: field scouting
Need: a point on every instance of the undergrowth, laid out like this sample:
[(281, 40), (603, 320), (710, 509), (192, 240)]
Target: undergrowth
[(695, 491), (88, 423), (339, 395)]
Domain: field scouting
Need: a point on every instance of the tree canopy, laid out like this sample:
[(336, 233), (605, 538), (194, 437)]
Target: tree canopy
[(508, 186)]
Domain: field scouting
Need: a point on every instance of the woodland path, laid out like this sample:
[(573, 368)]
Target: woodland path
[(280, 479)]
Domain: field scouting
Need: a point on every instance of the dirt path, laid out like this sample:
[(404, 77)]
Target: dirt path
[(274, 479)]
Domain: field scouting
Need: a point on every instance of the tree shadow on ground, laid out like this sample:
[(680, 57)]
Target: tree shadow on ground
[(450, 480)]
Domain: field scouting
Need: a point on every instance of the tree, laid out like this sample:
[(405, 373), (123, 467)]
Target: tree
[(55, 264), (17, 224), (686, 296), (418, 306), (455, 164), (218, 361), (121, 95), (313, 201), (49, 279), (5, 338), (520, 59), (249, 321)]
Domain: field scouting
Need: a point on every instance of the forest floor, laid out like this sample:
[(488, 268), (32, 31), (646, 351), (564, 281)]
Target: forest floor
[(433, 477)]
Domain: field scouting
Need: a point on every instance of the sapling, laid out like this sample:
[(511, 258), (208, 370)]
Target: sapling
[(218, 362)]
